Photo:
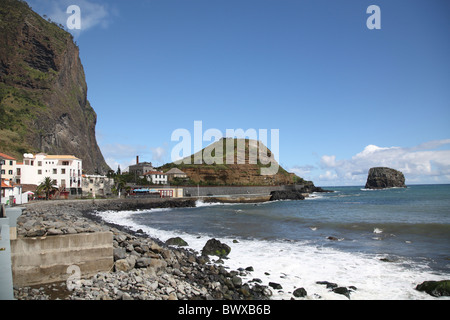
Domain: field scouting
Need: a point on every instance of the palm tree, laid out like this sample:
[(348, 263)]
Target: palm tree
[(119, 184), (47, 187)]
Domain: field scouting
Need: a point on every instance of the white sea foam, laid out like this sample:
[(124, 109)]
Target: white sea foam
[(381, 189), (302, 264), (315, 196), (200, 203)]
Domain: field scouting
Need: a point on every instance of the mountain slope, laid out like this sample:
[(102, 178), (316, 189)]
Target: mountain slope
[(43, 92), (241, 171)]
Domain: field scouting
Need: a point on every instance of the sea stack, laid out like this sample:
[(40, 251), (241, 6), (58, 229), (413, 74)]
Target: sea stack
[(382, 177)]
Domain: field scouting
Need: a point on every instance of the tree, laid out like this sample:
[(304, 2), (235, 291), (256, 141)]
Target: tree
[(119, 184), (47, 187), (111, 174)]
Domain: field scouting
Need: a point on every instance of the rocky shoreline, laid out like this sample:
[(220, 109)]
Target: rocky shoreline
[(144, 268), (148, 269)]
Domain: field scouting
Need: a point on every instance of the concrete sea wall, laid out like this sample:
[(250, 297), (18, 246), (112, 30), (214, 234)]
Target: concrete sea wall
[(53, 257), (47, 259), (221, 191)]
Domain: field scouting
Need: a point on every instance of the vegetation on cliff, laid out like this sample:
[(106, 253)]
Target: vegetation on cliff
[(242, 171), (43, 92)]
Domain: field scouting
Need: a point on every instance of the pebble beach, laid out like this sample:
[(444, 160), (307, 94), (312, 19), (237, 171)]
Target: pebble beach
[(144, 268)]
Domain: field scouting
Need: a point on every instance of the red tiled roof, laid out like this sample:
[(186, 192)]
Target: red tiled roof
[(6, 157), (4, 185)]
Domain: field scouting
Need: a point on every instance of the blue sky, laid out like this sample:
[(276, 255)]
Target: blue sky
[(344, 98)]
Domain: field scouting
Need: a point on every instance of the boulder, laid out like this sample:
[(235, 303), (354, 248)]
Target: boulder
[(435, 288), (122, 265), (275, 285), (237, 281), (143, 262), (342, 290), (54, 232), (330, 285), (36, 232), (214, 247), (300, 293), (382, 177), (286, 195), (119, 254), (177, 241)]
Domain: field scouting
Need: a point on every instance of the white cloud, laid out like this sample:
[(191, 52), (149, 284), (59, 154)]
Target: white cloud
[(328, 176), (122, 154), (302, 171), (158, 154), (116, 154), (328, 161), (426, 163), (93, 13), (114, 164)]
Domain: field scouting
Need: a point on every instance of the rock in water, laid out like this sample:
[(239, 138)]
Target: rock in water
[(286, 195), (215, 248), (177, 241), (300, 293), (382, 177), (435, 288)]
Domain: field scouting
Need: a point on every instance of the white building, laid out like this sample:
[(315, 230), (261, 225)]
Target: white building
[(156, 177), (64, 170), (96, 185), (176, 173), (8, 168), (12, 193)]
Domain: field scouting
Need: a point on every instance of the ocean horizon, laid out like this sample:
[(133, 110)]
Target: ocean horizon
[(381, 242)]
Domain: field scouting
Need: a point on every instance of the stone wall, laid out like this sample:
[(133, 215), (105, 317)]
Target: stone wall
[(217, 191)]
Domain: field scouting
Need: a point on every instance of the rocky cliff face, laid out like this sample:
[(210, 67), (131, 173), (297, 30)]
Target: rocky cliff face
[(382, 177), (43, 92)]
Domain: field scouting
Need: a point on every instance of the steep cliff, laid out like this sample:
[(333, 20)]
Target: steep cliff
[(43, 92), (382, 177)]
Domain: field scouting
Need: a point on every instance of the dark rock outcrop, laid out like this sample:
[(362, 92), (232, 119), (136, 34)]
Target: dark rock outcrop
[(383, 177), (435, 288), (300, 293), (176, 241), (286, 195), (214, 247), (275, 285)]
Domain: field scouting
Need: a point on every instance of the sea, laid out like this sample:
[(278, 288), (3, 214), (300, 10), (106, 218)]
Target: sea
[(383, 242)]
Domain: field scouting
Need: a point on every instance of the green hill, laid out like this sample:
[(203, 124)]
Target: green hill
[(243, 170)]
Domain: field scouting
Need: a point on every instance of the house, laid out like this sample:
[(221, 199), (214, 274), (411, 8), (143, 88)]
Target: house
[(96, 185), (11, 193), (156, 177), (64, 170), (176, 173), (8, 169), (140, 168)]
